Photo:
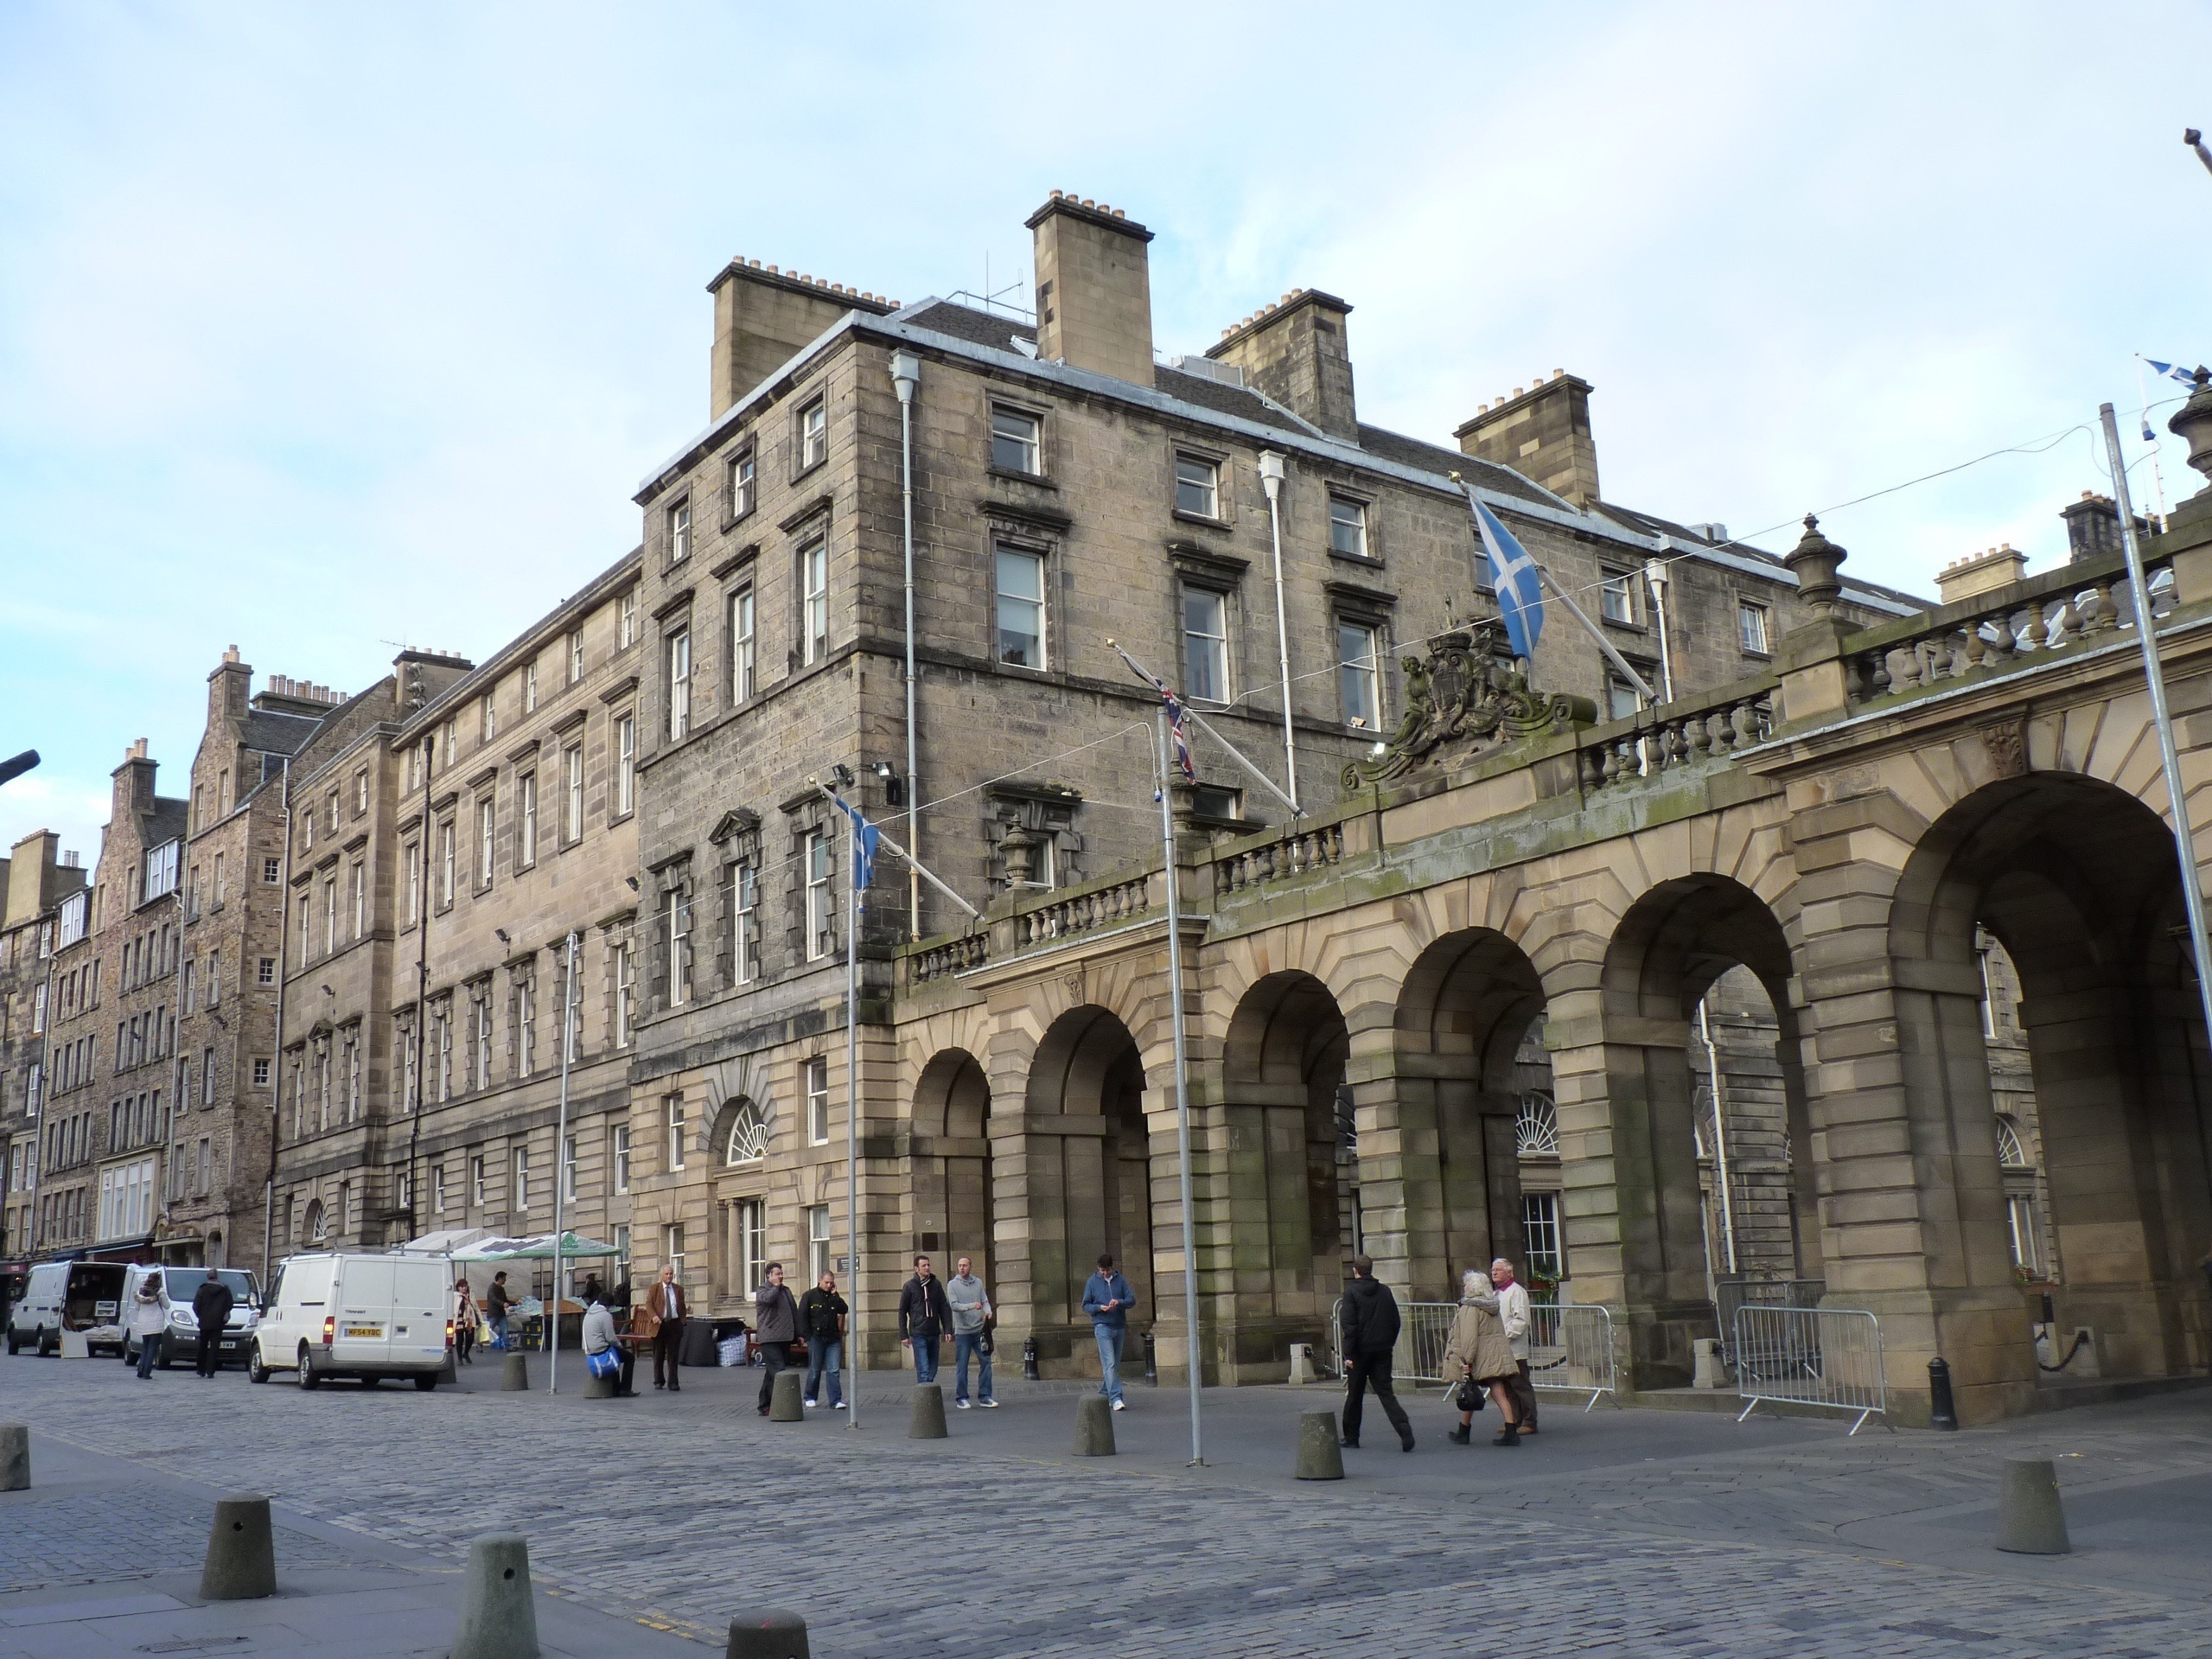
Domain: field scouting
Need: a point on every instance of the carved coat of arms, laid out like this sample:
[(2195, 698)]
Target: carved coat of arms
[(1462, 700)]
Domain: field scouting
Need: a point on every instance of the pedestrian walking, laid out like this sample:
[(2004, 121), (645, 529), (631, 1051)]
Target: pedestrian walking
[(1106, 1297), (972, 1318), (211, 1307), (600, 1335), (821, 1322), (149, 1318), (666, 1309), (775, 1328), (1478, 1360), (1370, 1321), (464, 1323), (924, 1318), (1514, 1315), (499, 1303)]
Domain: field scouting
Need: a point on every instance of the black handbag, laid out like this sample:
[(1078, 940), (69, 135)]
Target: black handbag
[(1470, 1395)]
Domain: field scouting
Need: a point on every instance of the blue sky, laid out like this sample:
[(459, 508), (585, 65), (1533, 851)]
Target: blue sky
[(323, 329)]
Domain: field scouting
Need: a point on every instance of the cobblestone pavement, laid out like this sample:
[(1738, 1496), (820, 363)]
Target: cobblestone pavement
[(1618, 1533)]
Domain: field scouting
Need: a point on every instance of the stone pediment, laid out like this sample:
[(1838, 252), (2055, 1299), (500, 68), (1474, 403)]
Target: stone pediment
[(1463, 700)]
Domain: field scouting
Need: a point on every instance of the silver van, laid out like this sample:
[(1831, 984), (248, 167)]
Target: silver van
[(180, 1337), (83, 1296)]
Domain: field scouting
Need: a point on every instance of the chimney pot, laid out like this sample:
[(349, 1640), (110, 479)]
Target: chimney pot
[(1055, 196), (1117, 213), (1517, 391), (1087, 202)]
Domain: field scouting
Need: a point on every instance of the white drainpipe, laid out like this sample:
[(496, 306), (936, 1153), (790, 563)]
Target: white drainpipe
[(906, 374), (1271, 476)]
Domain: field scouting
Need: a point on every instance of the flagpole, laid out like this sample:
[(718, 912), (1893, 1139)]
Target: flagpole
[(2157, 479), (560, 1159), (1173, 873), (852, 1113), (1200, 721)]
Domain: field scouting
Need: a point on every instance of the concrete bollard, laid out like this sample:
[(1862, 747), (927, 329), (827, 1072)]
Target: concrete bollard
[(1708, 1369), (788, 1398), (241, 1564), (1301, 1371), (596, 1388), (1319, 1456), (499, 1620), (2030, 1520), (926, 1422), (514, 1374), (767, 1633), (15, 1458), (1094, 1427)]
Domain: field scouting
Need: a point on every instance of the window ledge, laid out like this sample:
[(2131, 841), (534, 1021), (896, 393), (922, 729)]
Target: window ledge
[(1037, 480), (1182, 517), (1365, 561)]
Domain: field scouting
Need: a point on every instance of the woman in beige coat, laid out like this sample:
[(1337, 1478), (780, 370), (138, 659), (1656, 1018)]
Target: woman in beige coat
[(1477, 1348)]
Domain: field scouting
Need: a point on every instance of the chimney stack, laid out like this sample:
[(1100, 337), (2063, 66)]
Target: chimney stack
[(1542, 433), (1297, 352), (1985, 572), (2093, 527), (1094, 289), (763, 317)]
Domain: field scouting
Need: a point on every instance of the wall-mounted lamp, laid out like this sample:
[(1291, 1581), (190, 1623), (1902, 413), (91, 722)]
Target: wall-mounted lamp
[(501, 934)]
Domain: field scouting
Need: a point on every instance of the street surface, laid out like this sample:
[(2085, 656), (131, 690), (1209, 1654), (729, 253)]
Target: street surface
[(1617, 1532)]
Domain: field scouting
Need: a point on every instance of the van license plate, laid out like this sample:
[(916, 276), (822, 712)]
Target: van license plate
[(364, 1331)]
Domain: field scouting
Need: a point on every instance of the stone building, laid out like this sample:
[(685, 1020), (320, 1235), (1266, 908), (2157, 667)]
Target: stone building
[(1069, 489), (456, 829), (35, 881)]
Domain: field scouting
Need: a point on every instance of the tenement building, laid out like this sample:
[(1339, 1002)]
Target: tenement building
[(35, 881), (460, 972), (1226, 518)]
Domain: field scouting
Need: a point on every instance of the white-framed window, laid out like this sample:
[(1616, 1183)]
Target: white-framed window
[(626, 620), (572, 792), (1020, 588), (330, 915), (264, 972), (745, 923), (672, 1121), (2020, 1224), (618, 1156), (568, 1168), (1622, 699), (1198, 486), (817, 1101), (625, 992), (75, 911), (437, 1190), (744, 644), (525, 822), (525, 1024), (818, 1243), (161, 869), (679, 684), (741, 483), (679, 532), (1751, 626), (480, 1010), (273, 871), (813, 434), (446, 855), (576, 655), (821, 909), (815, 589), (747, 1141), (261, 1071), (1616, 596), (1539, 1235), (521, 1203), (487, 717), (476, 1180), (361, 792), (1359, 674), (676, 922), (625, 763), (487, 832), (2010, 1152), (206, 1077), (357, 898), (1015, 445), (1536, 1126), (751, 1220), (1348, 526), (1205, 645)]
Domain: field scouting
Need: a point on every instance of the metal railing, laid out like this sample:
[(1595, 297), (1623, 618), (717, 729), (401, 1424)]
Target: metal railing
[(1569, 1347), (1732, 1293), (1811, 1356)]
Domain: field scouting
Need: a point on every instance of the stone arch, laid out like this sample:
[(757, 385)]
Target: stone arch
[(951, 1166), (1282, 1081), (2079, 882)]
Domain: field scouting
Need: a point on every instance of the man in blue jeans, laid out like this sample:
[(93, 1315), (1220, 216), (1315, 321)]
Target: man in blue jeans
[(1106, 1297), (924, 1317), (971, 1305), (821, 1322)]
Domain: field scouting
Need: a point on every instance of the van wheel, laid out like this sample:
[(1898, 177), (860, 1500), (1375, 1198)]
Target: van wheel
[(426, 1383), (255, 1370), (44, 1349), (309, 1376), (123, 1352), (14, 1347)]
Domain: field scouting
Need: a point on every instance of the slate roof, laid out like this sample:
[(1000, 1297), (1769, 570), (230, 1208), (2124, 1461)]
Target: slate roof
[(268, 732)]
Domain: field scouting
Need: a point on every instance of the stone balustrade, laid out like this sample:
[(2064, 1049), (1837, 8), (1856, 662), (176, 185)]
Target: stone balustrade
[(1296, 851), (954, 955), (1085, 910), (1674, 735)]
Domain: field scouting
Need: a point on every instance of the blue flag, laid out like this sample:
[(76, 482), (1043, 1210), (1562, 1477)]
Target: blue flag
[(1512, 574), (863, 837), (2173, 371)]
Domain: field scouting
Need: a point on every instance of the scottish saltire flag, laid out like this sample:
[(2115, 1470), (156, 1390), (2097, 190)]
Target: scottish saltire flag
[(864, 840), (2173, 371), (1512, 574), (1181, 738)]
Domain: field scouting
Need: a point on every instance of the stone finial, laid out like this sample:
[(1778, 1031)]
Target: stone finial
[(1814, 562), (2192, 423)]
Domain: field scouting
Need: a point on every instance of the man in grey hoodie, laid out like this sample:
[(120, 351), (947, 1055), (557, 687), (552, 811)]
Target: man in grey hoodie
[(776, 1327), (971, 1305)]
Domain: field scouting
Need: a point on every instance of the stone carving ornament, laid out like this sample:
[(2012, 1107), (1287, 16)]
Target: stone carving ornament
[(1462, 700)]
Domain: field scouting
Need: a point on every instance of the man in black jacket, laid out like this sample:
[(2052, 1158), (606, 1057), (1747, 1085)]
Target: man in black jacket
[(1370, 1318), (776, 1327), (821, 1322), (924, 1318), (211, 1307)]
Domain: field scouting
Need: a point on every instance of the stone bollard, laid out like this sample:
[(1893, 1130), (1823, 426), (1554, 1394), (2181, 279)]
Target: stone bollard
[(15, 1458), (788, 1398), (768, 1633), (1708, 1369), (1094, 1427), (241, 1564), (598, 1388), (1301, 1371), (1319, 1456), (2030, 1521), (514, 1374), (499, 1620), (927, 1420)]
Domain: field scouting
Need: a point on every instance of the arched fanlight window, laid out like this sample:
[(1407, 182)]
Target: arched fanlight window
[(2010, 1152), (1536, 1128), (748, 1136), (318, 1226)]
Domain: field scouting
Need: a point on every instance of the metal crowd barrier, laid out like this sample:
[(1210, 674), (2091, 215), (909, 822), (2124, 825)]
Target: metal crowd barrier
[(1811, 1356), (1569, 1347)]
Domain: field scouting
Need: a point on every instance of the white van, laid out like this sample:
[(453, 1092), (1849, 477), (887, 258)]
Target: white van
[(369, 1317), (85, 1296), (180, 1337)]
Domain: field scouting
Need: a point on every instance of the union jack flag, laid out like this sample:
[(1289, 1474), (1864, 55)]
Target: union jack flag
[(1181, 738)]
